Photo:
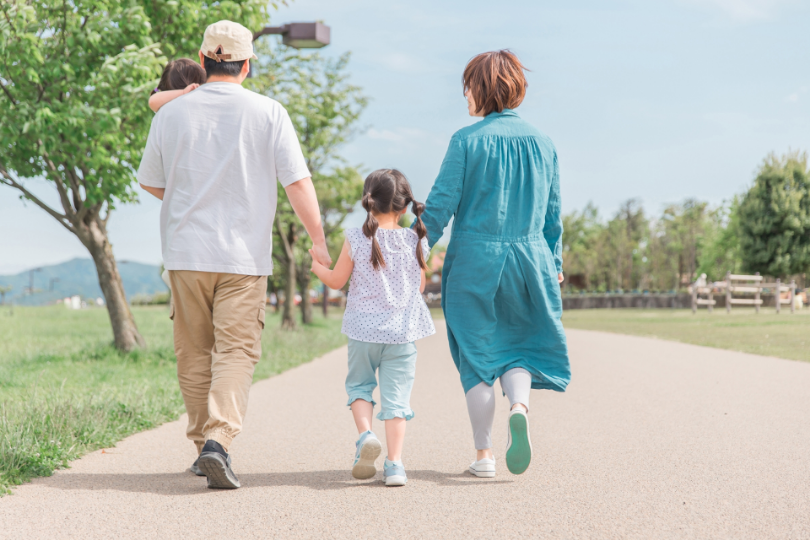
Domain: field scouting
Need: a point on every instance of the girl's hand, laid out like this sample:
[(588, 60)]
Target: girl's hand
[(189, 88), (337, 278), (560, 278), (315, 266)]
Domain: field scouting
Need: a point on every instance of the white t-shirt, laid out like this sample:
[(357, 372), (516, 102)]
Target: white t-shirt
[(218, 152), (385, 305)]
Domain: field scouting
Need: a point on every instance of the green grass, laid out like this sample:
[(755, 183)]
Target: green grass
[(783, 335), (65, 391)]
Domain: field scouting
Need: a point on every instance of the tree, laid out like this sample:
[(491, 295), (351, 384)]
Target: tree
[(74, 84), (581, 235), (3, 290), (325, 110), (666, 253), (625, 239), (721, 250), (679, 236), (775, 217)]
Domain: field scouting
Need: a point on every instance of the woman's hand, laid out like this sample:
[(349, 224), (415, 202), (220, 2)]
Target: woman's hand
[(189, 88), (560, 278)]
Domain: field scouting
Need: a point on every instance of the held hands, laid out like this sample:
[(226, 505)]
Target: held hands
[(189, 88), (321, 256), (315, 266)]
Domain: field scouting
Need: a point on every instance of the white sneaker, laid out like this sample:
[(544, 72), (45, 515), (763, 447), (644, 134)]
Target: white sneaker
[(483, 468)]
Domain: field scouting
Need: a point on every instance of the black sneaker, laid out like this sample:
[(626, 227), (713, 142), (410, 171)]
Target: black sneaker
[(215, 464), (196, 469)]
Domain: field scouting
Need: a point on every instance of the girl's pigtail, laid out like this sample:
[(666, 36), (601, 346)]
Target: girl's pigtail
[(421, 232), (370, 231)]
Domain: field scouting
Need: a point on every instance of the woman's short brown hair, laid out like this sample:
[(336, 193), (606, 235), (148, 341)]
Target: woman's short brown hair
[(496, 81)]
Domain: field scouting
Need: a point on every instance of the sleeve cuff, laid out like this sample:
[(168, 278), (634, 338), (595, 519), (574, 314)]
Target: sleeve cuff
[(294, 176), (152, 183)]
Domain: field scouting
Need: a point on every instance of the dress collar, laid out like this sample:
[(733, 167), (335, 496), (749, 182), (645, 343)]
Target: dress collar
[(505, 112)]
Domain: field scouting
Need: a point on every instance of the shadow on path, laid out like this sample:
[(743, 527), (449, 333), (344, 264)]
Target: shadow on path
[(186, 483)]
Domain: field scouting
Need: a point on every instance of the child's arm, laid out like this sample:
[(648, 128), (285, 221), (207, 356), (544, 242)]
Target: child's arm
[(337, 278), (423, 282), (159, 99)]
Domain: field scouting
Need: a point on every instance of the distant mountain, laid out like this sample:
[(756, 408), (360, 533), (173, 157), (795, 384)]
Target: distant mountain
[(79, 277)]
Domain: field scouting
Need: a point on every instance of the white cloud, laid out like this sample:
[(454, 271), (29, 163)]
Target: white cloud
[(383, 135), (746, 10), (796, 96), (403, 62)]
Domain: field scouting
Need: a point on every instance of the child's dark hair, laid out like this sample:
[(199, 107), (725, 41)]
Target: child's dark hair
[(180, 73), (386, 191)]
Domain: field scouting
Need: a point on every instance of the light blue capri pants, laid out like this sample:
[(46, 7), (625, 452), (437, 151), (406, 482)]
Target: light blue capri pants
[(397, 365)]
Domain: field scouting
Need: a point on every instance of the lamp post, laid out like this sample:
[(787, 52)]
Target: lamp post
[(31, 279), (299, 35)]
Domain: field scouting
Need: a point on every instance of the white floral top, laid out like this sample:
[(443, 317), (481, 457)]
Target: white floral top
[(385, 305)]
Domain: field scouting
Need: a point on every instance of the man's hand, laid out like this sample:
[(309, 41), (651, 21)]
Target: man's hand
[(321, 255), (560, 278), (305, 203), (315, 266)]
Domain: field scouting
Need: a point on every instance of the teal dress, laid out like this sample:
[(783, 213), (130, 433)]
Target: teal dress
[(500, 295)]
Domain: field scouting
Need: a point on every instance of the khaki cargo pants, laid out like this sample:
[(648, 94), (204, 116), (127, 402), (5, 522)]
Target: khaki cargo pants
[(218, 322)]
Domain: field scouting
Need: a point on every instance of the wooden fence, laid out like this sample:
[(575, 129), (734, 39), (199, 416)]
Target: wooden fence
[(736, 283)]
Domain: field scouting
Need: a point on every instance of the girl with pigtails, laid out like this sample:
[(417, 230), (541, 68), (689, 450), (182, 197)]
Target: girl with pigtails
[(385, 315)]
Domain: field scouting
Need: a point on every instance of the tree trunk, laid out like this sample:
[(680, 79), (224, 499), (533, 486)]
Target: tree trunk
[(325, 301), (271, 284), (125, 331), (304, 281), (288, 239), (288, 315)]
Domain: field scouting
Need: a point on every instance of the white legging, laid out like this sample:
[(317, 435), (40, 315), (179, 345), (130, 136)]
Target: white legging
[(516, 384)]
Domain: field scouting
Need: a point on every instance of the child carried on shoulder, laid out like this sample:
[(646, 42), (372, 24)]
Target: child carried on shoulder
[(385, 315)]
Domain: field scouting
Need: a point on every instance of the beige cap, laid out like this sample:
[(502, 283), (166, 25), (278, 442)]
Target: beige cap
[(228, 41)]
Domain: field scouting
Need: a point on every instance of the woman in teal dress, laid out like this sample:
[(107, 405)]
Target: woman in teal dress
[(501, 276)]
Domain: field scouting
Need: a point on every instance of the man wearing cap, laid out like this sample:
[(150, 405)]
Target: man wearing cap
[(213, 157)]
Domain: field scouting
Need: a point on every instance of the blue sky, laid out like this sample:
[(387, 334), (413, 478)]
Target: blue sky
[(656, 100)]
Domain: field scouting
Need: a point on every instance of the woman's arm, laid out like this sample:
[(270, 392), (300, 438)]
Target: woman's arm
[(553, 228), (445, 195), (422, 283), (337, 278), (159, 99)]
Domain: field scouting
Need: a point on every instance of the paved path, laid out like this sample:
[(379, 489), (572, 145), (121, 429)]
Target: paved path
[(653, 440)]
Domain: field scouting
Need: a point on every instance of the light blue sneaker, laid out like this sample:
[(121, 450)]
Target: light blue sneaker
[(394, 473), (368, 450)]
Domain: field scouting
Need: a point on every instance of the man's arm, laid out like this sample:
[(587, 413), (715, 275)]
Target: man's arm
[(305, 203), (156, 191)]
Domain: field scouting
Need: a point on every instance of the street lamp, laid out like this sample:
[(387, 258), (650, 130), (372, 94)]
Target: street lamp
[(31, 279), (299, 35)]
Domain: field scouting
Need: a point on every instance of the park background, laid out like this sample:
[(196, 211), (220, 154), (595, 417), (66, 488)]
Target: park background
[(663, 115)]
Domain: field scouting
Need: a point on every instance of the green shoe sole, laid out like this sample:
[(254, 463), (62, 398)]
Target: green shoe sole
[(519, 453)]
